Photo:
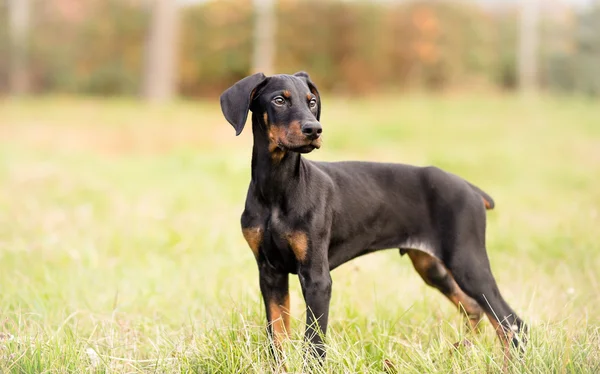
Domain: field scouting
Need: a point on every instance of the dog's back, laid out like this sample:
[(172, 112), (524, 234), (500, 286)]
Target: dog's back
[(387, 205)]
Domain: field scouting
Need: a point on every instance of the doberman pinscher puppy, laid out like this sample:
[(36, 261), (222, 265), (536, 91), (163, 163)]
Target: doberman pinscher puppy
[(307, 218)]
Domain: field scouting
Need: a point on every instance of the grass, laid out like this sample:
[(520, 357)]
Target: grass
[(121, 251)]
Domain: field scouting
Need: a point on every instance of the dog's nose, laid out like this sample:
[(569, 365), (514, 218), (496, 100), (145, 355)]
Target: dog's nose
[(312, 130)]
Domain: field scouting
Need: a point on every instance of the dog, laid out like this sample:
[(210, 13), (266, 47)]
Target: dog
[(307, 218)]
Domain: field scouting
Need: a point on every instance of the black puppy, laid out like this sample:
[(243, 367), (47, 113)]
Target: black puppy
[(307, 218)]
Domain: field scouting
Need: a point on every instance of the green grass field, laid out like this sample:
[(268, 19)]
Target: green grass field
[(121, 249)]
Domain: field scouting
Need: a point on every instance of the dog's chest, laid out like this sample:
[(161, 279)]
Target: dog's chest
[(284, 243), (279, 228), (277, 236)]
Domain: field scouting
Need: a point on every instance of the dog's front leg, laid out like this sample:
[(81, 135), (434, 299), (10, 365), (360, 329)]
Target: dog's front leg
[(315, 281), (275, 291)]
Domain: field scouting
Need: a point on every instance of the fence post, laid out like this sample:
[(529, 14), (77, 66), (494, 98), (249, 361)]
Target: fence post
[(264, 36), (528, 46), (18, 28), (160, 78)]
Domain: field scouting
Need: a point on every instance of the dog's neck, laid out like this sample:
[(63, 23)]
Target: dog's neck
[(274, 173)]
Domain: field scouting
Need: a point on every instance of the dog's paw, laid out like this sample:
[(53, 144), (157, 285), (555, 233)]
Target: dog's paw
[(462, 344), (389, 367)]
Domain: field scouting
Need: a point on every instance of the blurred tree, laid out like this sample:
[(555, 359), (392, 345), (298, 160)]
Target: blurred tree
[(19, 35), (587, 59), (264, 36), (161, 52), (350, 47), (504, 66), (216, 46)]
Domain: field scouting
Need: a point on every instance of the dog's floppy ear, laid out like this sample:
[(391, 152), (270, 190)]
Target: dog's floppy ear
[(235, 101), (313, 89)]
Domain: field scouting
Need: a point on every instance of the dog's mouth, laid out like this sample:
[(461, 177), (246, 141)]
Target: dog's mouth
[(303, 148)]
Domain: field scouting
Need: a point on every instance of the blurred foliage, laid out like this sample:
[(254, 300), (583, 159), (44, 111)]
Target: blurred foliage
[(348, 47), (100, 54), (572, 55), (587, 60), (3, 47), (216, 45)]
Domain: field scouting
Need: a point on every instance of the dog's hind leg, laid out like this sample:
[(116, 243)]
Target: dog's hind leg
[(435, 274), (470, 267)]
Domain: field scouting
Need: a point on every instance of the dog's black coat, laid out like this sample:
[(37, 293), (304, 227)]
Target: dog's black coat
[(307, 218)]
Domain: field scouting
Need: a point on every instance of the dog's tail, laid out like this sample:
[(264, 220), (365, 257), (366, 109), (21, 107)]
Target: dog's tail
[(488, 202)]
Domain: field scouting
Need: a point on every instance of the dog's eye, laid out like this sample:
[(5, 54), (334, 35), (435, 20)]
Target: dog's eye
[(279, 101), (312, 103)]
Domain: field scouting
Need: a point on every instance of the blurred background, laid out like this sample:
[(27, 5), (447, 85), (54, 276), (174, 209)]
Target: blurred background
[(165, 48), (121, 184)]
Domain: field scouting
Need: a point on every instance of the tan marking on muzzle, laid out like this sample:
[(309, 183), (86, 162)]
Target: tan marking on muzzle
[(317, 142), (423, 262), (295, 130)]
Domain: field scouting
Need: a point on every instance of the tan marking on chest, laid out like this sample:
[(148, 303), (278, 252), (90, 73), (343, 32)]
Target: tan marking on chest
[(298, 241), (254, 236)]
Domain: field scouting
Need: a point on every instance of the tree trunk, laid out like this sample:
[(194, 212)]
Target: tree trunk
[(528, 46), (160, 76), (18, 33), (264, 36)]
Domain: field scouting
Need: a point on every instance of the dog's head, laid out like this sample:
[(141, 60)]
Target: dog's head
[(288, 108)]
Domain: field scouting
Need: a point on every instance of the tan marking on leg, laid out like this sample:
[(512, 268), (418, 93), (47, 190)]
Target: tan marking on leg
[(253, 236), (280, 320), (422, 262), (503, 335), (299, 243), (469, 307), (505, 338)]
